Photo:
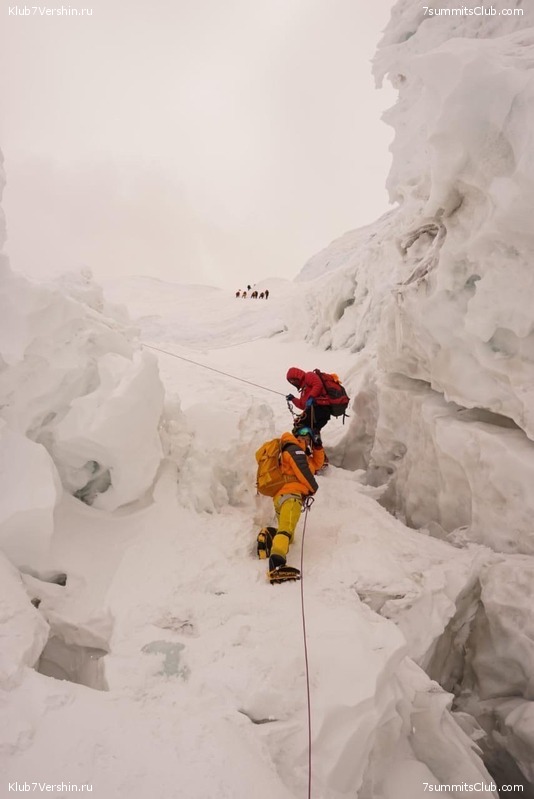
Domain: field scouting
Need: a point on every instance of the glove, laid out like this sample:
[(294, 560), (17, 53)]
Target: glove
[(317, 443), (309, 402), (290, 397)]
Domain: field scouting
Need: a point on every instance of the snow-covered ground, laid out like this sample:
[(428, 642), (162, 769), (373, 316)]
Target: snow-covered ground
[(163, 663), (183, 666)]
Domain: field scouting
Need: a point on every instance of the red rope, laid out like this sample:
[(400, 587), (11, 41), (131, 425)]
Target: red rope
[(306, 655)]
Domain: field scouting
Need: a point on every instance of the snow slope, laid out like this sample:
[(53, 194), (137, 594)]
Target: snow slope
[(192, 662)]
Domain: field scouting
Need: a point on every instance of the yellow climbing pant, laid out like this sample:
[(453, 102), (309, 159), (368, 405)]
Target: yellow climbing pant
[(288, 508)]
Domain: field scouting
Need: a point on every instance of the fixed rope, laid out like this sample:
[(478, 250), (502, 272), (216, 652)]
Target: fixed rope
[(212, 369), (307, 505)]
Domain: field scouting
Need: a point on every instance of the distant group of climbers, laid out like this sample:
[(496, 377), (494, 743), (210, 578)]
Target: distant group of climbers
[(287, 465), (253, 294)]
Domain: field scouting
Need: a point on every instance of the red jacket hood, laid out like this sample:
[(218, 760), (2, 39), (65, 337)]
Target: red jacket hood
[(295, 376)]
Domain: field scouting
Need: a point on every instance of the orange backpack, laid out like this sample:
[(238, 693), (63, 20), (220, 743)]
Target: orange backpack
[(270, 478)]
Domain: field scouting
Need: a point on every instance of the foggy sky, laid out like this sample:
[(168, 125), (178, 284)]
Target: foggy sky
[(217, 141)]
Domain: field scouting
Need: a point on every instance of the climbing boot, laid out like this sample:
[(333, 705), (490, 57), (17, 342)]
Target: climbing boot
[(283, 574), (275, 561)]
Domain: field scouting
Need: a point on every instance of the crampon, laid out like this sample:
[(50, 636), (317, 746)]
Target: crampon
[(283, 574)]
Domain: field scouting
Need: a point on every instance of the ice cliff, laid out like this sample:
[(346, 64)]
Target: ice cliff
[(435, 302), (74, 387), (440, 288)]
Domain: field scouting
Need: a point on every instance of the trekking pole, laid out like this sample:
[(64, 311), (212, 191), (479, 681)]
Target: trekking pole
[(308, 502)]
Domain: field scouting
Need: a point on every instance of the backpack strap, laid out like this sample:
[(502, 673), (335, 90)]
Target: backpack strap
[(320, 376)]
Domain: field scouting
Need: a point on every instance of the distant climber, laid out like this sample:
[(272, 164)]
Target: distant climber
[(238, 293), (261, 295), (266, 294), (248, 288), (244, 294), (286, 468)]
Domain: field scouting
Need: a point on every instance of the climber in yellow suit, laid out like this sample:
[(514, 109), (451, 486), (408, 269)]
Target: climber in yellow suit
[(302, 456)]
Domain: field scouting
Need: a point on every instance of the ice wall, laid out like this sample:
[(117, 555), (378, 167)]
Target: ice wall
[(435, 302), (460, 317), (439, 290), (465, 279), (75, 381), (80, 406), (22, 625)]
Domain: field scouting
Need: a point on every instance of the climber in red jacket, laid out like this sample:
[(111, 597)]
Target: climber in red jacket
[(313, 399)]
